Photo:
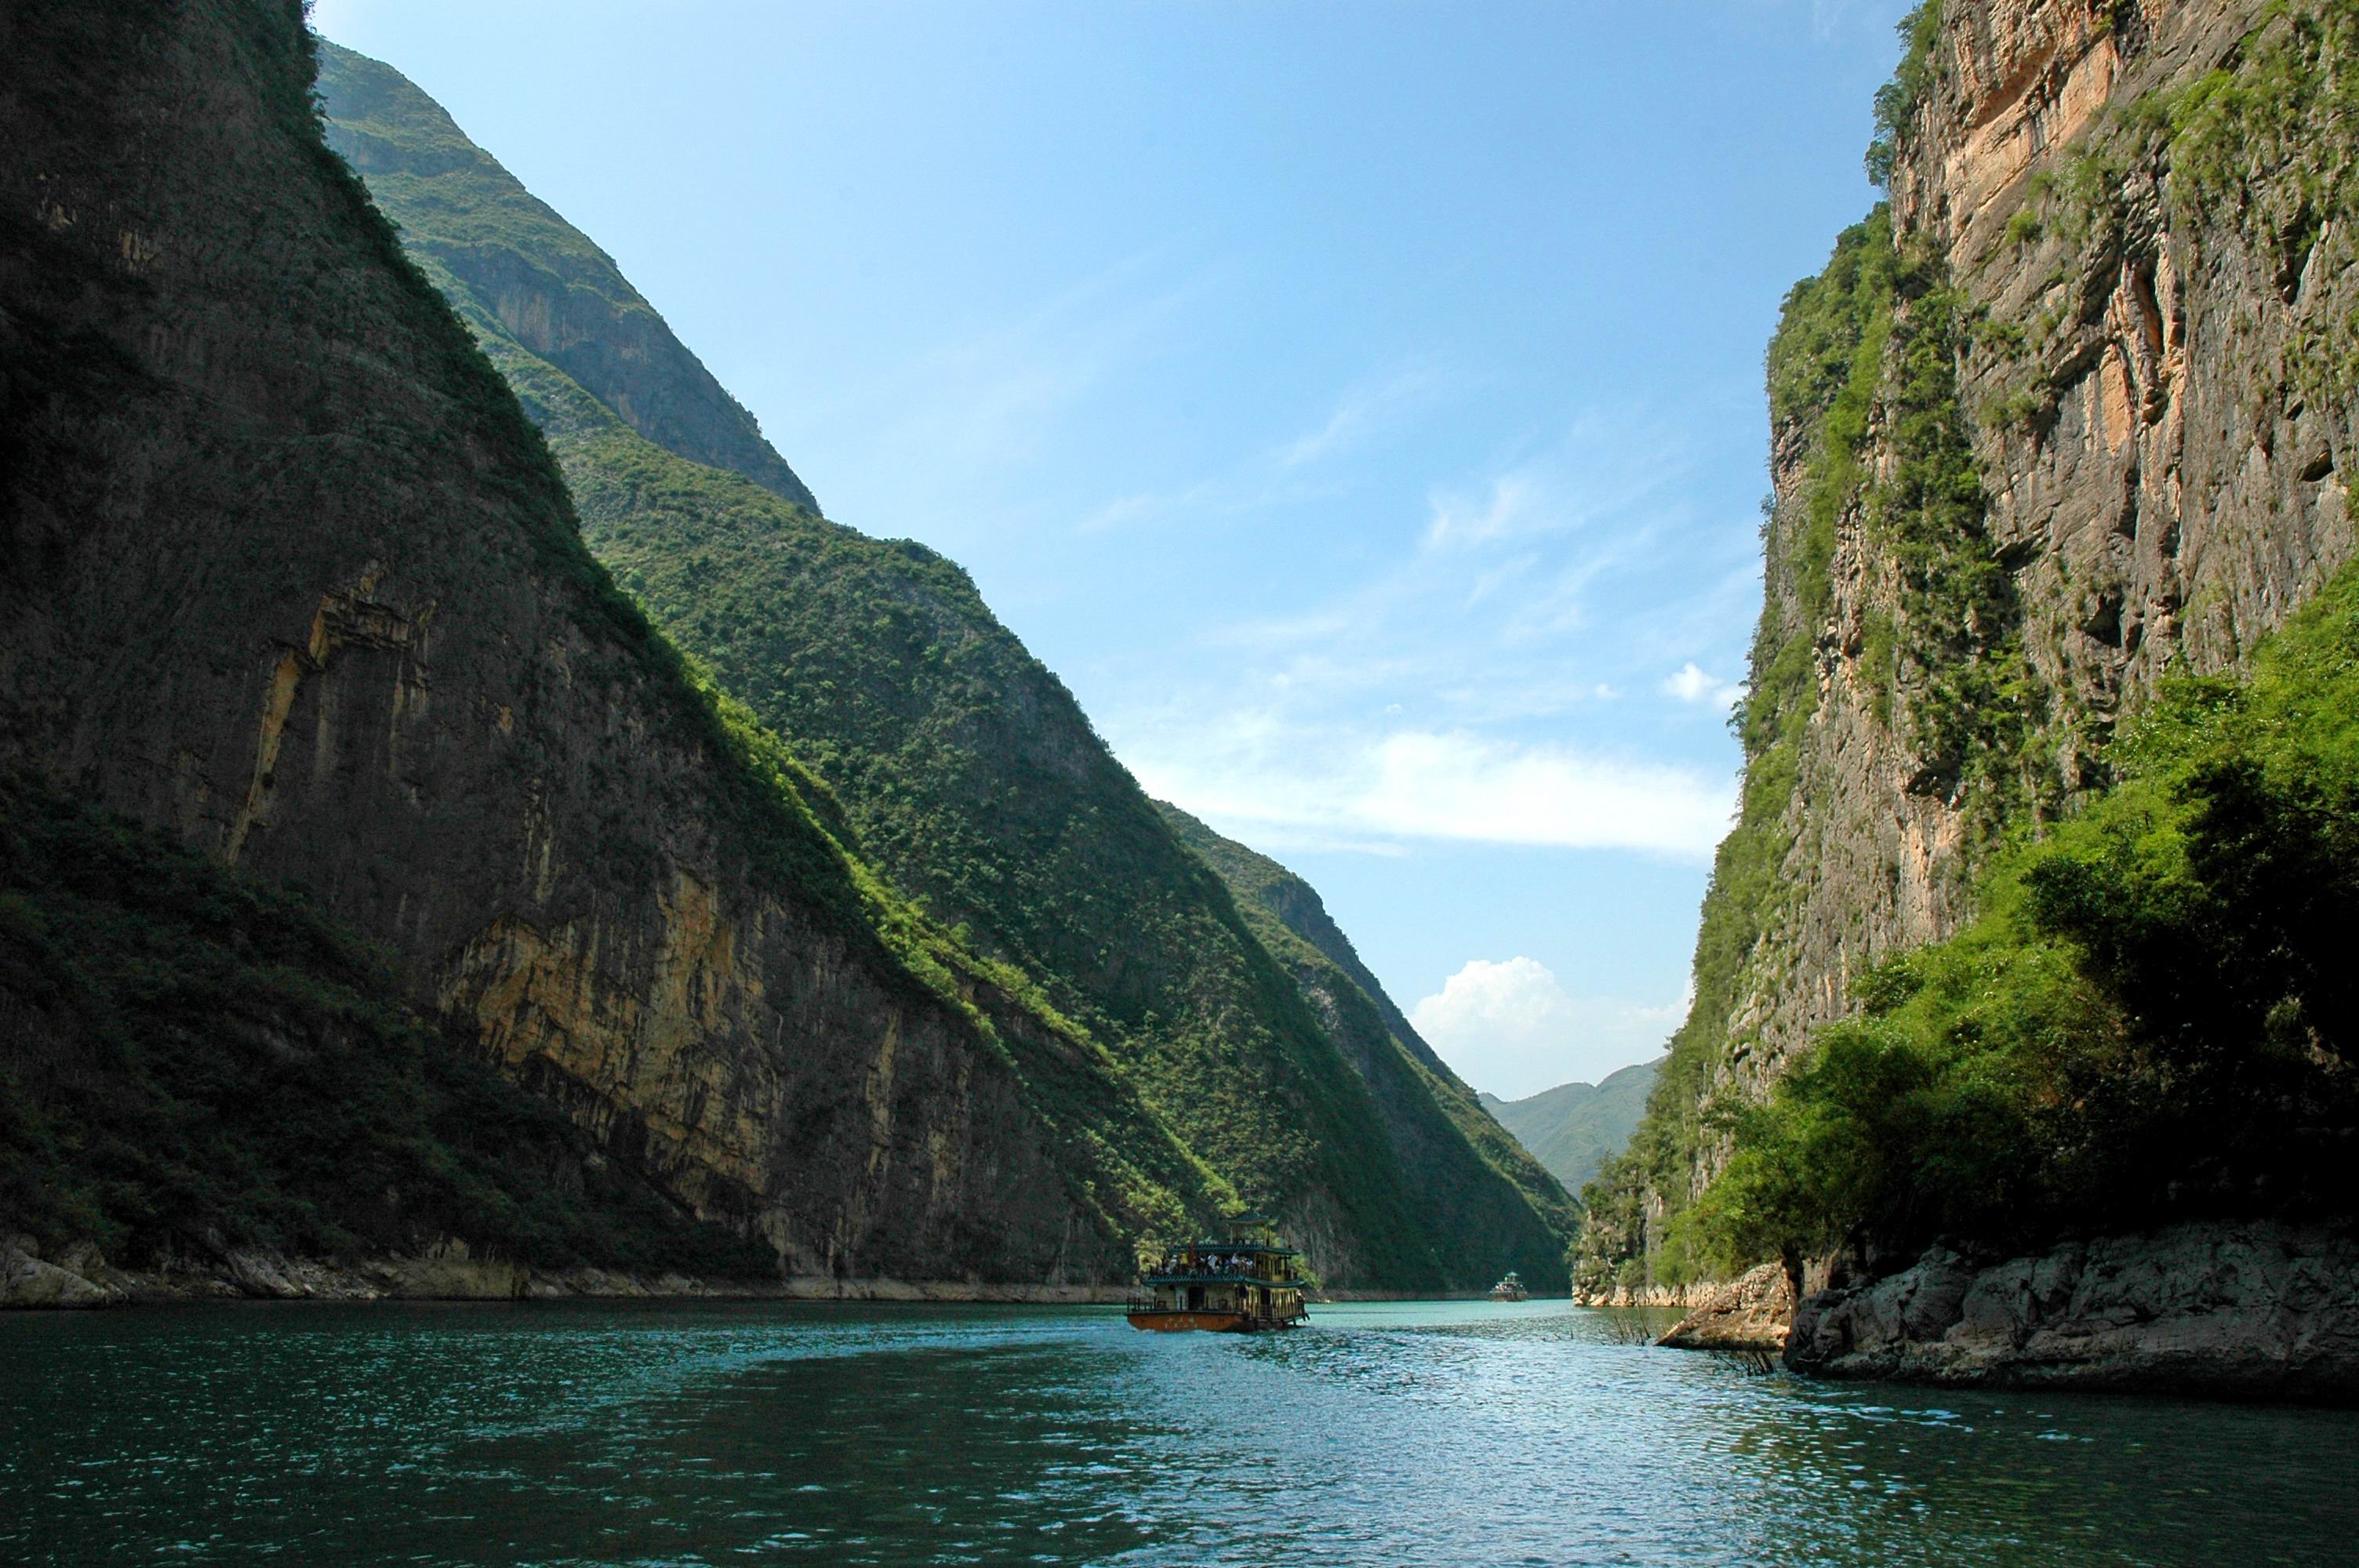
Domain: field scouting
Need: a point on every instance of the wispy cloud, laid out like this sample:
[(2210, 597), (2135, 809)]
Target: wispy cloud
[(1274, 784), (1289, 471), (1364, 410), (1466, 691), (995, 394)]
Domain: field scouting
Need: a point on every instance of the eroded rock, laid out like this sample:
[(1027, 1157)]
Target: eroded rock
[(1750, 1312), (2250, 1309)]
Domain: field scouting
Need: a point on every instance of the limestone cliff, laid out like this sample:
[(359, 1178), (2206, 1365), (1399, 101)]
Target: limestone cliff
[(284, 572), (2069, 414)]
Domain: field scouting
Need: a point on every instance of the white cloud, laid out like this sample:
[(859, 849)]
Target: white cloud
[(1694, 684), (1512, 503), (1273, 782), (1510, 1027)]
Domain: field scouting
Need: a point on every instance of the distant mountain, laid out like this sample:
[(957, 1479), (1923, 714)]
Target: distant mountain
[(1573, 1129), (964, 770)]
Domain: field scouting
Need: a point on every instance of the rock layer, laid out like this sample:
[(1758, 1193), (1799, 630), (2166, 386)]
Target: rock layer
[(1751, 1313), (2150, 367), (971, 776)]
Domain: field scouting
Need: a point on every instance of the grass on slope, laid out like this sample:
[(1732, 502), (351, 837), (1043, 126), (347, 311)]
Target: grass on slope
[(339, 277), (967, 772), (510, 263), (1456, 1185), (970, 776)]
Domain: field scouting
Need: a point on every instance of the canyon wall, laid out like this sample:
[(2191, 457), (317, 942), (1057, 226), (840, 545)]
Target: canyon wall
[(287, 573), (972, 779), (2068, 414)]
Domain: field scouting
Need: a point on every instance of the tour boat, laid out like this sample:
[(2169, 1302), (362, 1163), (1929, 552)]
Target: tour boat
[(1510, 1289), (1243, 1285)]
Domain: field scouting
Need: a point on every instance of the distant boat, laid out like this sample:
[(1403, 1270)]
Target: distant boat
[(1243, 1285), (1510, 1289)]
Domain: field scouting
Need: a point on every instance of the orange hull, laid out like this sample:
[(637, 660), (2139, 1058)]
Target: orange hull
[(1210, 1322)]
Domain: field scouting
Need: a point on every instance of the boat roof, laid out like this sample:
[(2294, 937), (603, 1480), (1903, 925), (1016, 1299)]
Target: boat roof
[(1188, 1277)]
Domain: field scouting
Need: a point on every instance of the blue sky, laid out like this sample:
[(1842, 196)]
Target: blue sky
[(1358, 405)]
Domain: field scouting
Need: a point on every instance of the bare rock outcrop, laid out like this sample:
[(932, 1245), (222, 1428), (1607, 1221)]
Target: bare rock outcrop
[(1749, 1313), (2246, 1310), (28, 1281)]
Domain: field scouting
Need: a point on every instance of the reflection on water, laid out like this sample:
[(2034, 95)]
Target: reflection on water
[(1460, 1432)]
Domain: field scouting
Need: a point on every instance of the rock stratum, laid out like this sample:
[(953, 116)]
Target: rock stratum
[(384, 883), (2066, 418)]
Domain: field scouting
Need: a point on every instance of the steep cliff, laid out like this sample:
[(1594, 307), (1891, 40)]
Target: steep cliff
[(503, 257), (2061, 422), (285, 573), (972, 778)]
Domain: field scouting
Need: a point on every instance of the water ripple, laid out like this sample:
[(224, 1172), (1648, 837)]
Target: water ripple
[(1396, 1434)]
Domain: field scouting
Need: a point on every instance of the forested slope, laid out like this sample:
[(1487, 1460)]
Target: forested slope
[(1573, 1129)]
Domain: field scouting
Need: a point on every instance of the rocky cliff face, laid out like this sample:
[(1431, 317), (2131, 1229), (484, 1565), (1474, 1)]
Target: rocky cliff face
[(285, 573), (969, 773), (2071, 414)]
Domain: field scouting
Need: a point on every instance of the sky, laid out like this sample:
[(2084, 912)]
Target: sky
[(1358, 405)]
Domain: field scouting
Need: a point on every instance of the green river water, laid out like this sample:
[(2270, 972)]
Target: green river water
[(1435, 1433)]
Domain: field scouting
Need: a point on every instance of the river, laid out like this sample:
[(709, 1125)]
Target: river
[(1413, 1433)]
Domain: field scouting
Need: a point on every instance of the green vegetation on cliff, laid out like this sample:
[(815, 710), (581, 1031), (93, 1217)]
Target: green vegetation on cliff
[(1402, 1072), (1866, 351), (513, 266), (970, 776), (2153, 1017), (236, 395)]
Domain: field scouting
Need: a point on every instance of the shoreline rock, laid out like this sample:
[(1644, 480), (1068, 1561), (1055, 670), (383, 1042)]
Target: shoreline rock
[(2251, 1310), (1750, 1312), (79, 1278), (1680, 1296)]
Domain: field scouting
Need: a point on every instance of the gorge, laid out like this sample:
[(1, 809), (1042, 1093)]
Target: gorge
[(799, 924), (471, 825)]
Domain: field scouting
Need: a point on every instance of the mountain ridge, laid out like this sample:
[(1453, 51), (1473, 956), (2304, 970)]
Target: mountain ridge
[(1573, 1129), (966, 772)]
